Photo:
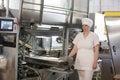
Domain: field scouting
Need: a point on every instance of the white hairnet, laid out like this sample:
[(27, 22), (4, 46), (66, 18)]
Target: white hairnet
[(87, 21)]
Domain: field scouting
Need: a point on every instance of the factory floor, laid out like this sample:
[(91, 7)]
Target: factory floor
[(107, 69)]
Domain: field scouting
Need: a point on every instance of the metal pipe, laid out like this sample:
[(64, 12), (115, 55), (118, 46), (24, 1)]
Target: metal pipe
[(20, 8), (7, 9), (31, 3), (88, 3), (41, 10), (72, 8)]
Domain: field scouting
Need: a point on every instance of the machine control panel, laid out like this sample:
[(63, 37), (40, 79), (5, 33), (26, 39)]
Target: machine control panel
[(9, 29), (8, 25)]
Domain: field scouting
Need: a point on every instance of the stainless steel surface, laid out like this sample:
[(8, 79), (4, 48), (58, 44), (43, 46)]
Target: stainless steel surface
[(113, 29), (53, 12), (63, 63), (11, 72), (10, 51), (48, 58), (24, 8), (3, 62)]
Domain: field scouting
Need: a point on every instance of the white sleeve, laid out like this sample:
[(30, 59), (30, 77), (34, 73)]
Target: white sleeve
[(75, 41), (96, 39)]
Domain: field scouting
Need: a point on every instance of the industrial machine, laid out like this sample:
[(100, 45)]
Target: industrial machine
[(42, 50), (9, 32), (113, 28)]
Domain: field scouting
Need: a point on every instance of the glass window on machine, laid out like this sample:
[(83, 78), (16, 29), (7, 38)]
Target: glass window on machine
[(49, 44)]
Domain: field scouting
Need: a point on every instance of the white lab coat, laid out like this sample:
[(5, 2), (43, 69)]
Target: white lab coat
[(85, 54)]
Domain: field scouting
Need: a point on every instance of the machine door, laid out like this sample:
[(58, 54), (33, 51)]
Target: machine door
[(113, 28)]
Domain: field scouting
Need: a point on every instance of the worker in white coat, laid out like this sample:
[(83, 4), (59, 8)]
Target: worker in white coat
[(86, 45)]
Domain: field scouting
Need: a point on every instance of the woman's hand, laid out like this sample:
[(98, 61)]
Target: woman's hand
[(95, 65)]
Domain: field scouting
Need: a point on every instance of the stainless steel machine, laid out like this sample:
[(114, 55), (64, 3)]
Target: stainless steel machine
[(113, 29), (9, 32), (44, 55)]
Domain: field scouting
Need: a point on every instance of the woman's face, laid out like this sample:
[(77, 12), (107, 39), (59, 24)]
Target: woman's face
[(85, 27)]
